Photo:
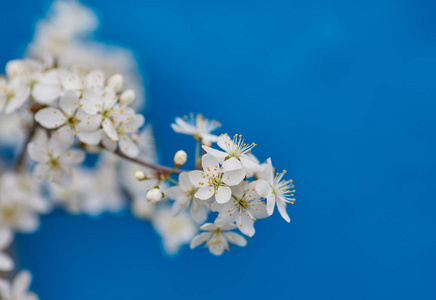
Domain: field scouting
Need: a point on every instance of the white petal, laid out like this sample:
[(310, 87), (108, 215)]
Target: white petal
[(6, 263), (109, 144), (91, 102), (199, 239), (175, 192), (198, 211), (128, 147), (91, 137), (37, 153), (282, 210), (246, 224), (21, 283), (72, 157), (210, 164), (109, 98), (178, 205), (69, 102), (198, 178), (62, 177), (232, 164), (270, 203), (263, 188), (94, 80), (110, 130), (223, 142), (50, 117), (45, 94), (185, 182), (235, 238), (219, 155), (249, 164), (234, 177), (208, 226), (6, 237), (40, 173), (65, 135), (88, 122), (223, 194), (21, 96), (204, 193)]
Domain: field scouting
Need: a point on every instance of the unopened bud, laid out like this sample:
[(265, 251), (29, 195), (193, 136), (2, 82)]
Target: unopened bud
[(140, 175), (180, 158), (154, 196), (127, 97), (115, 82)]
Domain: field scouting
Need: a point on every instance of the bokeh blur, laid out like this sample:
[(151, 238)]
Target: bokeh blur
[(341, 94)]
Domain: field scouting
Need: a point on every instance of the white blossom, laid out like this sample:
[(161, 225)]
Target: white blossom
[(55, 160), (244, 208), (20, 203), (198, 127), (174, 231), (217, 238), (275, 190), (6, 262), (13, 95), (70, 120), (183, 194), (213, 181), (235, 153), (93, 191), (18, 289)]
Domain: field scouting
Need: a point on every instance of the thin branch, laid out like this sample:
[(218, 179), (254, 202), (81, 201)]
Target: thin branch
[(21, 157), (156, 167)]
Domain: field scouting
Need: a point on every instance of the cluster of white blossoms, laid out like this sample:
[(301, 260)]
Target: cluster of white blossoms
[(74, 140), (231, 182)]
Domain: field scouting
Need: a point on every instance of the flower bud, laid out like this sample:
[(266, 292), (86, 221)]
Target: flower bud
[(154, 196), (115, 82), (127, 97), (180, 158), (140, 175)]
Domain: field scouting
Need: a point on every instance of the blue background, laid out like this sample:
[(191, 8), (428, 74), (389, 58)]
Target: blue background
[(339, 93)]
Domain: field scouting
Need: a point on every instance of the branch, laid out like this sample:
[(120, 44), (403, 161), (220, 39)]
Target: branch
[(20, 160), (156, 167)]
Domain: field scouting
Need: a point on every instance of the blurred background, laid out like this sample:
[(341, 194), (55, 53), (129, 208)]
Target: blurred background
[(341, 94)]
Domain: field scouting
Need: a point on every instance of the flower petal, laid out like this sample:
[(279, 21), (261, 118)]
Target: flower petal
[(91, 137), (185, 182), (210, 164), (234, 177), (199, 239), (270, 203), (45, 93), (281, 205), (91, 102), (37, 152), (232, 164), (110, 129), (235, 238), (72, 157), (204, 193), (69, 102), (198, 179), (128, 147), (21, 283), (223, 194), (50, 117)]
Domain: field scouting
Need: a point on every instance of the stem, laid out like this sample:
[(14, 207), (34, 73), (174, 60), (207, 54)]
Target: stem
[(20, 160), (172, 180), (197, 153), (147, 164)]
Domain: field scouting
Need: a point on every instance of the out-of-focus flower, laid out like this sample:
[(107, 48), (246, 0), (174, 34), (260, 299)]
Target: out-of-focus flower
[(180, 158), (55, 160), (6, 263), (20, 203), (198, 127), (217, 238), (18, 289), (94, 191), (174, 231)]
